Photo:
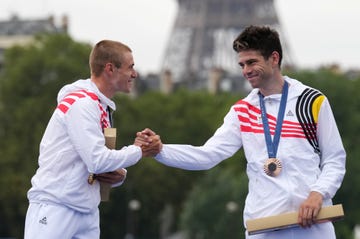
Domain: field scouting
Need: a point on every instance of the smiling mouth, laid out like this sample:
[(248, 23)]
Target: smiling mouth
[(251, 77)]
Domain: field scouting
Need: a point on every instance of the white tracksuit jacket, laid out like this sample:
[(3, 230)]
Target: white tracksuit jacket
[(303, 170), (73, 146)]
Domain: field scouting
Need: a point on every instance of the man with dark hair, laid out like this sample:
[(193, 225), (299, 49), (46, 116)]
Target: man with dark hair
[(295, 156)]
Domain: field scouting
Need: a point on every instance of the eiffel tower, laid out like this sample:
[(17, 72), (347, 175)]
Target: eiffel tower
[(203, 32)]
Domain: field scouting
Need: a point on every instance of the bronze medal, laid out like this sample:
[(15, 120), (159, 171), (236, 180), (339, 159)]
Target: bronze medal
[(91, 178), (272, 167)]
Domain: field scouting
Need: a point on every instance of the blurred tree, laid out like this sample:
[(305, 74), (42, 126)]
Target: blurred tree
[(214, 208), (183, 117), (29, 82)]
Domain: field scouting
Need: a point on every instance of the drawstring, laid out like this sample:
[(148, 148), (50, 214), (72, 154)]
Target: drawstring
[(110, 116)]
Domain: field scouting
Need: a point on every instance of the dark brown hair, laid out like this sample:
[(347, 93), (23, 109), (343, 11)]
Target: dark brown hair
[(259, 38)]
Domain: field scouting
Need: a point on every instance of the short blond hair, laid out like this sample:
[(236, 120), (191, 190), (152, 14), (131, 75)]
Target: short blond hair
[(106, 51)]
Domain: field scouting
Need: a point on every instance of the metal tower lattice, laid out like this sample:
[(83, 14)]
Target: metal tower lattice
[(203, 33)]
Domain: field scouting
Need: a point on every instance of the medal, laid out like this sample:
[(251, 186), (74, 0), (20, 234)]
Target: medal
[(91, 178), (272, 167)]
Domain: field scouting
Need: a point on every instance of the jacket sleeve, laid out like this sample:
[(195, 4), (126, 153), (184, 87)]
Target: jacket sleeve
[(223, 144), (333, 156), (85, 132)]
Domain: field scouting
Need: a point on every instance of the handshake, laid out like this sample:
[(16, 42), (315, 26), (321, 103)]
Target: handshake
[(149, 142)]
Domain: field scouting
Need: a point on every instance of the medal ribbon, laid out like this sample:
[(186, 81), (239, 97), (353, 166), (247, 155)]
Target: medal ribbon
[(272, 145)]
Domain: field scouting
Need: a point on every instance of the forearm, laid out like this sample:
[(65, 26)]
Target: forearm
[(189, 157)]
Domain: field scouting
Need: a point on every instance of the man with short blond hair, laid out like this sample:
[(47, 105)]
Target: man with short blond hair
[(63, 202)]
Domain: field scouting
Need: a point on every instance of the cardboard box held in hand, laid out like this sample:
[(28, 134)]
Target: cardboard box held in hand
[(286, 220)]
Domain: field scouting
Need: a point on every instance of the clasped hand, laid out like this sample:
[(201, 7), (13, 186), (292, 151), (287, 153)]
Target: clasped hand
[(310, 209), (149, 142), (114, 177)]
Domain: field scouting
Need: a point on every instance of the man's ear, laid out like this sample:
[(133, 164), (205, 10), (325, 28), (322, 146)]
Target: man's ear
[(275, 57), (109, 69)]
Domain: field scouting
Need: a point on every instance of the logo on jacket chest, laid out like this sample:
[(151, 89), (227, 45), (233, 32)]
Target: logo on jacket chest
[(290, 114)]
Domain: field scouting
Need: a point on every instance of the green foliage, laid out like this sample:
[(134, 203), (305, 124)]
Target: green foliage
[(214, 207), (176, 117), (29, 82), (183, 117)]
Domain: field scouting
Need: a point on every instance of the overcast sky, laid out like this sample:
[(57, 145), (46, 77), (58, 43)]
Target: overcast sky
[(318, 32)]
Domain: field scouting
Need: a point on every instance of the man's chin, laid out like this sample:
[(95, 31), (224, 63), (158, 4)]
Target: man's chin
[(253, 84)]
